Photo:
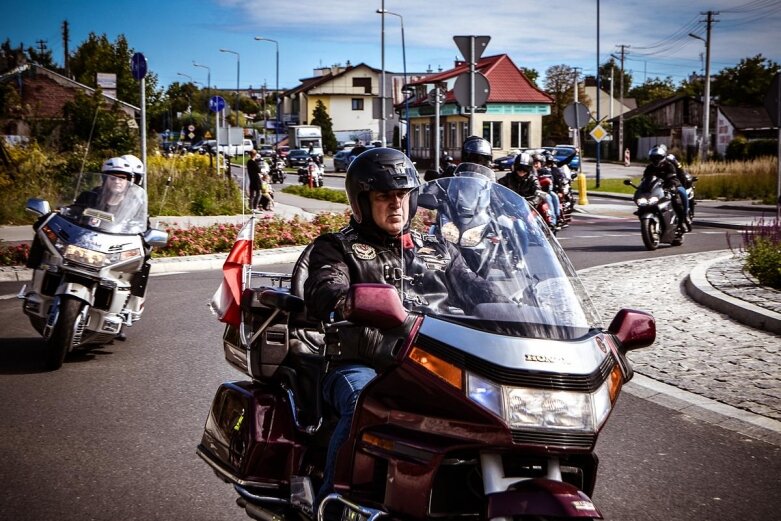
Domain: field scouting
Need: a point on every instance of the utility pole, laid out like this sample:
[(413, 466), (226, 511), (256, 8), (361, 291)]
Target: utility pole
[(706, 116), (621, 108), (65, 38), (41, 46), (382, 75)]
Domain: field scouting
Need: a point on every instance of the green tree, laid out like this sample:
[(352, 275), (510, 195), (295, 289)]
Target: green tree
[(652, 89), (692, 86), (321, 118), (746, 83), (10, 57), (98, 54), (89, 118), (531, 74), (559, 84)]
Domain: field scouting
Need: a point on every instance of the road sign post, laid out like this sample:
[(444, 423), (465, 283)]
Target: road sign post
[(216, 104), (472, 48)]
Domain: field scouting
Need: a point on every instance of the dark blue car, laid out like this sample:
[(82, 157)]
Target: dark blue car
[(562, 152)]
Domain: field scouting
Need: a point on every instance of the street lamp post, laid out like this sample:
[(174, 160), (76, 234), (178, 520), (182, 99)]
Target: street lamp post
[(189, 102), (404, 59), (238, 66), (276, 94), (382, 74)]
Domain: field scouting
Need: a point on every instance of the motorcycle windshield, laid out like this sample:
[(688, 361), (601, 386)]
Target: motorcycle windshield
[(108, 205), (480, 256)]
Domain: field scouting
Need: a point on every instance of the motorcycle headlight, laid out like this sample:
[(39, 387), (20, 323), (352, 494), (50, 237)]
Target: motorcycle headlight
[(450, 232), (81, 255), (546, 409), (642, 201)]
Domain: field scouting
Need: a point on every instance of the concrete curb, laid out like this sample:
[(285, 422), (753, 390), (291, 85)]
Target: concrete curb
[(699, 289)]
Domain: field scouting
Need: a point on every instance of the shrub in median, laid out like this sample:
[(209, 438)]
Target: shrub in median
[(762, 243)]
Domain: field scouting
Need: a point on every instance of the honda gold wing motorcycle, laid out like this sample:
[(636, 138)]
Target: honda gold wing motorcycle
[(89, 270), (484, 409), (658, 220)]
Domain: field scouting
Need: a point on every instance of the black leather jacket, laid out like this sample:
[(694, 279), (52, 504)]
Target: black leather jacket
[(526, 186), (667, 172)]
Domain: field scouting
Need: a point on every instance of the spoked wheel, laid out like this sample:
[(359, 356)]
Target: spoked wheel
[(65, 333), (649, 229)]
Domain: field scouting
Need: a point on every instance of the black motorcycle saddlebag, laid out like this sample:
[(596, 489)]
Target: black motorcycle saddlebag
[(249, 435)]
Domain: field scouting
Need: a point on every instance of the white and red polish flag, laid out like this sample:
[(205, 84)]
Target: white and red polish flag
[(226, 300)]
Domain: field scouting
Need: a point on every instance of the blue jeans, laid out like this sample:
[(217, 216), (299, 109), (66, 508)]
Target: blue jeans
[(684, 200), (553, 202), (341, 388)]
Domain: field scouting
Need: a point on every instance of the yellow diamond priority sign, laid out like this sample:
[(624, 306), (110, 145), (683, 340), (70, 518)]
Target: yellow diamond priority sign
[(598, 133)]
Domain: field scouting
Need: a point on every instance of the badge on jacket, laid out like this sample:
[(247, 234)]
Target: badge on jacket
[(364, 251)]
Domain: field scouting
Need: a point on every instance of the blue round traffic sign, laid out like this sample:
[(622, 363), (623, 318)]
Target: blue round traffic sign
[(138, 66), (216, 103)]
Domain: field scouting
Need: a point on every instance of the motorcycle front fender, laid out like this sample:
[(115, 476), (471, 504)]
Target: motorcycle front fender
[(542, 497), (75, 290)]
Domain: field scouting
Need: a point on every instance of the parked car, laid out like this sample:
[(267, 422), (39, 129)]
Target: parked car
[(340, 160), (266, 151), (506, 162), (297, 157), (562, 152)]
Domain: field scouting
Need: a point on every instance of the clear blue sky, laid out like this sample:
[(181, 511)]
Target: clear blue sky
[(315, 33)]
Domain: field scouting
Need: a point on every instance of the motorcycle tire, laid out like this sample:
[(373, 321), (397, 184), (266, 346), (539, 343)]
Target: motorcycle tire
[(64, 332), (649, 230)]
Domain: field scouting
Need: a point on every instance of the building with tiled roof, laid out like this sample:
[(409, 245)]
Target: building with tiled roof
[(748, 122), (510, 119), (43, 94)]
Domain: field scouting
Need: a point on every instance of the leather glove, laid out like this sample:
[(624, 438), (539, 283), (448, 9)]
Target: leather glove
[(378, 349)]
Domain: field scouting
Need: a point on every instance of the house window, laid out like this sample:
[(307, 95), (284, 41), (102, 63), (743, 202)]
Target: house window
[(366, 83), (452, 141), (357, 103), (492, 131), (416, 135), (464, 131), (427, 136), (519, 134)]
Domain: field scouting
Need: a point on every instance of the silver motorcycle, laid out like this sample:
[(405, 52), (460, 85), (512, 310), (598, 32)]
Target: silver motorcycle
[(90, 262)]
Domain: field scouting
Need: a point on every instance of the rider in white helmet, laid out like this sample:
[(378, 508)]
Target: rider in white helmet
[(137, 166)]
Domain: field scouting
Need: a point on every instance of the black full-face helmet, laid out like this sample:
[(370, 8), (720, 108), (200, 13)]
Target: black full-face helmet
[(476, 150), (657, 154), (380, 169)]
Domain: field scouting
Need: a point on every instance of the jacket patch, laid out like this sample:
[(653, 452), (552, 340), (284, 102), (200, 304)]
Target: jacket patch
[(364, 251)]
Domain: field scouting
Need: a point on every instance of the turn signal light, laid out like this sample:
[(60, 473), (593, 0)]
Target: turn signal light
[(445, 370)]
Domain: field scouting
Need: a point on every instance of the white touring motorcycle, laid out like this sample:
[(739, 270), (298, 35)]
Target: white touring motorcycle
[(90, 268)]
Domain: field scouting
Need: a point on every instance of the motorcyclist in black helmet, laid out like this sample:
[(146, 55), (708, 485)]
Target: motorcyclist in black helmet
[(522, 179), (665, 170), (382, 189), (476, 150)]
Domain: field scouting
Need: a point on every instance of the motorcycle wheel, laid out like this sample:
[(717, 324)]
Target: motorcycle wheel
[(64, 333), (649, 229)]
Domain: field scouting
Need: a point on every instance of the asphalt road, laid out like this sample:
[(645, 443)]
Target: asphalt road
[(112, 435)]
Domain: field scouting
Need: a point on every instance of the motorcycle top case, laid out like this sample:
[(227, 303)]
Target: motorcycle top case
[(263, 356), (248, 435)]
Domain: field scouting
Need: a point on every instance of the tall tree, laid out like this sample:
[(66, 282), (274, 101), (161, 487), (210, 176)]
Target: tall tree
[(98, 54), (10, 57), (559, 84), (653, 89), (320, 117), (746, 83)]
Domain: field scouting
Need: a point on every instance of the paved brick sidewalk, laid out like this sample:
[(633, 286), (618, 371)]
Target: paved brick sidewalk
[(697, 349)]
